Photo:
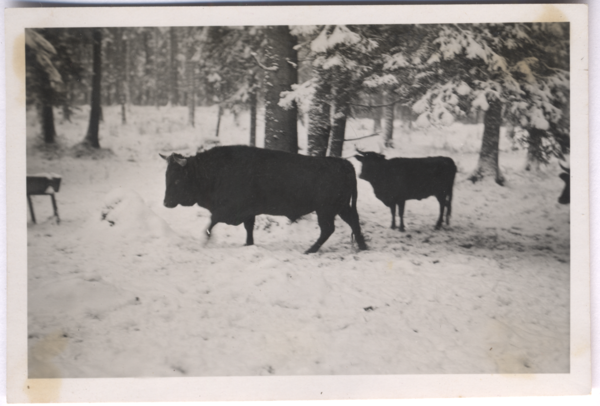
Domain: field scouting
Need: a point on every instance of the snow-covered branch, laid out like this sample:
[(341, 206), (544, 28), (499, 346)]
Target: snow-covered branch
[(272, 68)]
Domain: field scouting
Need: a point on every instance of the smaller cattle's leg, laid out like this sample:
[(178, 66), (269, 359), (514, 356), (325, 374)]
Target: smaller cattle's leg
[(31, 209), (393, 209), (55, 208), (249, 226), (401, 213), (441, 200), (327, 225), (350, 216)]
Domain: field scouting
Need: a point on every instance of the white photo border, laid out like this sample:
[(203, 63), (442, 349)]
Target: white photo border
[(23, 390)]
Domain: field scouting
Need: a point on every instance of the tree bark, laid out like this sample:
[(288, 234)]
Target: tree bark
[(388, 121), (319, 119), (338, 131), (173, 91), (191, 91), (219, 114), (155, 67), (193, 52), (376, 114), (91, 137), (120, 45), (281, 128), (488, 156), (341, 111), (534, 152), (253, 102), (48, 128), (126, 79)]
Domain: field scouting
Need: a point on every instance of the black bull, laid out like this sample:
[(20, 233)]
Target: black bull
[(397, 180), (236, 183)]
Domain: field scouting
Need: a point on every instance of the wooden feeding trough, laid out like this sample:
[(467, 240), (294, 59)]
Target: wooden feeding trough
[(43, 185)]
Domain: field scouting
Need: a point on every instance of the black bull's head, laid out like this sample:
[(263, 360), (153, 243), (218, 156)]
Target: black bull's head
[(565, 197), (179, 185)]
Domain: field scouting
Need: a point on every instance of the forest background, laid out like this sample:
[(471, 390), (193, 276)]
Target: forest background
[(515, 75)]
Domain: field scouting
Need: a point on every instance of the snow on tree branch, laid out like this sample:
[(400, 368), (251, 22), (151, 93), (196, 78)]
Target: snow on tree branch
[(272, 68), (301, 94)]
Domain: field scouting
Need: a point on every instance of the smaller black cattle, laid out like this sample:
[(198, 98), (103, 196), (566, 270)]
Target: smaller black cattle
[(236, 183), (397, 180), (565, 197)]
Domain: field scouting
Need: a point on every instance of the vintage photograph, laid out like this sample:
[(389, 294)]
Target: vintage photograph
[(298, 200)]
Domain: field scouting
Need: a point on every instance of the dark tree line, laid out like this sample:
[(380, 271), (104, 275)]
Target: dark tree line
[(503, 74)]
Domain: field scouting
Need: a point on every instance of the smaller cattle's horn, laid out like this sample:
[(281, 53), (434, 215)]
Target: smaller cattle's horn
[(568, 170), (181, 161), (163, 157)]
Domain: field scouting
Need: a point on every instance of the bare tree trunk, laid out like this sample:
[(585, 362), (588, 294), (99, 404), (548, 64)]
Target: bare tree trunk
[(319, 119), (534, 149), (191, 91), (253, 102), (219, 114), (125, 80), (338, 131), (488, 156), (376, 113), (155, 67), (388, 121), (173, 91), (121, 68), (91, 137), (48, 128), (66, 107), (281, 127), (193, 54), (341, 111)]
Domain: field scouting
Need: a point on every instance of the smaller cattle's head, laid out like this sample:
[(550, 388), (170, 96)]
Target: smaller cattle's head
[(565, 197), (180, 186), (370, 163)]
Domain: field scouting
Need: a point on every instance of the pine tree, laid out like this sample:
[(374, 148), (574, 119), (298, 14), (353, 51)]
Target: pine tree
[(512, 72)]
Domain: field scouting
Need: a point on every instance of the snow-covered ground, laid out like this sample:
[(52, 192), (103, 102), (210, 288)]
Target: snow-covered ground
[(126, 287)]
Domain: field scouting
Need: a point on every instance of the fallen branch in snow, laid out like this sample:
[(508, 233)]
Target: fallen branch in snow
[(360, 138)]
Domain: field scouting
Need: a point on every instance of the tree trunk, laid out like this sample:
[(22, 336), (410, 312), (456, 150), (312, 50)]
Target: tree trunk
[(376, 114), (173, 91), (534, 149), (281, 129), (338, 131), (193, 53), (252, 101), (155, 67), (319, 119), (48, 128), (341, 111), (126, 80), (219, 114), (488, 156), (121, 69), (388, 121), (91, 137), (66, 107), (191, 91)]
